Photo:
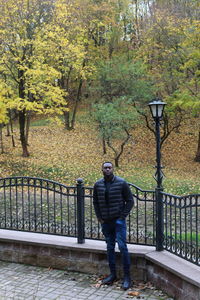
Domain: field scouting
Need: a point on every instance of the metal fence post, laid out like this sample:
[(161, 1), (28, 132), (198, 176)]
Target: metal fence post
[(80, 212), (159, 219), (158, 192)]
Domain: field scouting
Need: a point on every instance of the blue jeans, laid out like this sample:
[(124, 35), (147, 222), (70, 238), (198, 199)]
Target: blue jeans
[(116, 231)]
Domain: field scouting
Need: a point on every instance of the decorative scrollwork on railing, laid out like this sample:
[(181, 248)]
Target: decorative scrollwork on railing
[(182, 248), (45, 206)]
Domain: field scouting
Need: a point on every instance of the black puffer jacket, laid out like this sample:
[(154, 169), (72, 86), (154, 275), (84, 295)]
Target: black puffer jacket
[(113, 202)]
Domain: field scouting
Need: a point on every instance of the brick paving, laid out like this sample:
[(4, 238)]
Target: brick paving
[(18, 281)]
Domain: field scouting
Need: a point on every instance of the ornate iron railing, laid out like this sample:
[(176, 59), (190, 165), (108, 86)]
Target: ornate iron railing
[(182, 226), (141, 222), (44, 206), (38, 205)]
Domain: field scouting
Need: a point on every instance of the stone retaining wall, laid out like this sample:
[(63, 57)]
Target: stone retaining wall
[(179, 279)]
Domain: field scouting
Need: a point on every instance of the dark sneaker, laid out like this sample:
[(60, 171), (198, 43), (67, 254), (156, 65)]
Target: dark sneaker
[(109, 279), (126, 283)]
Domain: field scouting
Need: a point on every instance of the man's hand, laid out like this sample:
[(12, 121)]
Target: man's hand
[(120, 221)]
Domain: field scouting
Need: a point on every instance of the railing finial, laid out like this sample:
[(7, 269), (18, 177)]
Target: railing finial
[(80, 180)]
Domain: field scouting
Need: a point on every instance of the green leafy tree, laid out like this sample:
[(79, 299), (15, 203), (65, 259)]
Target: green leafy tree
[(120, 77), (120, 86), (115, 121), (187, 95), (172, 63), (23, 66), (4, 91), (65, 47)]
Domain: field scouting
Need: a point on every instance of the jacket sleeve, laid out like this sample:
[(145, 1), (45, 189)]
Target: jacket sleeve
[(128, 200), (96, 203)]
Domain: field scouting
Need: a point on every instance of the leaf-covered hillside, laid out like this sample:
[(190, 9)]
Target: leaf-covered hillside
[(64, 156)]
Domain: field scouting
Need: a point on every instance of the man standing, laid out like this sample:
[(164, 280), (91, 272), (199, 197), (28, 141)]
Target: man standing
[(113, 201)]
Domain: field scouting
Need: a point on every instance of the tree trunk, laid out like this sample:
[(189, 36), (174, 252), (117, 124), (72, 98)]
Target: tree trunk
[(22, 115), (78, 97), (69, 124), (22, 122), (197, 158), (28, 120), (1, 138), (104, 146), (119, 153), (8, 130), (11, 128), (67, 120), (117, 161)]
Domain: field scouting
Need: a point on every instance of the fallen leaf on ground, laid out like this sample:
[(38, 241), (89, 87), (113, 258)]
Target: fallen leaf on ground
[(97, 285), (134, 294)]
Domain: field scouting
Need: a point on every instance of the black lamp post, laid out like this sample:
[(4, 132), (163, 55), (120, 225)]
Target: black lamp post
[(157, 108)]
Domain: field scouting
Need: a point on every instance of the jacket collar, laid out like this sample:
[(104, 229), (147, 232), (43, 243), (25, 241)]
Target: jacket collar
[(109, 181)]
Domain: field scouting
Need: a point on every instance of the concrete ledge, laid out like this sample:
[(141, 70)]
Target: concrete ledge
[(176, 265), (177, 277), (65, 242)]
